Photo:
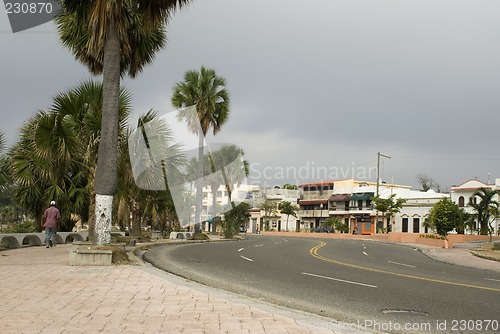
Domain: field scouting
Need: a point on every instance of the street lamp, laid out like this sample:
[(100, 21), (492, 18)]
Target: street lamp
[(321, 214)]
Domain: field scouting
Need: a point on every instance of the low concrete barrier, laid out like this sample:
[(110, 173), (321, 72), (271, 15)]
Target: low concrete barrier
[(90, 257), (181, 235), (17, 240)]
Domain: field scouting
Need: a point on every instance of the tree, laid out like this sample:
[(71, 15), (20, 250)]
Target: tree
[(290, 186), (150, 158), (205, 104), (112, 38), (337, 224), (270, 208), (427, 182), (234, 218), (388, 206), (445, 216), (4, 164), (56, 155), (288, 209), (486, 210)]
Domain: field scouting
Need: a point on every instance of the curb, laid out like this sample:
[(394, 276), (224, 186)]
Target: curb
[(487, 257)]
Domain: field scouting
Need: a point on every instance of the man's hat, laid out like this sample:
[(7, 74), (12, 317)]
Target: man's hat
[(53, 203)]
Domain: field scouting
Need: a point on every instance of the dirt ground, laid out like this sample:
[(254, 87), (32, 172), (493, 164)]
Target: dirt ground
[(489, 254)]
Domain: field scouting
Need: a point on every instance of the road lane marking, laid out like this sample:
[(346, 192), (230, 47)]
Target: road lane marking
[(492, 279), (341, 280), (402, 264), (259, 245), (239, 250), (246, 258), (314, 252), (365, 253)]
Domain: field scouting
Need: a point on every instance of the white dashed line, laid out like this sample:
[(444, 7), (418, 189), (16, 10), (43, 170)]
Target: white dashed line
[(341, 280), (246, 258), (402, 264), (492, 279)]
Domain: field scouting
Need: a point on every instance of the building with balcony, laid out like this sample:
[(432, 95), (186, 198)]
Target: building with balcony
[(463, 196), (350, 200)]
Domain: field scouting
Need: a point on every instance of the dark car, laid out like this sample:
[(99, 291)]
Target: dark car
[(323, 229)]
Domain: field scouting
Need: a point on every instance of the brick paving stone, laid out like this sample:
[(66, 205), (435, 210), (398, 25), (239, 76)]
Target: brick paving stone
[(41, 291)]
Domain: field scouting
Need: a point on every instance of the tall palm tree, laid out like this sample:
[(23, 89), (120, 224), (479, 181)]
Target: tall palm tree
[(56, 155), (153, 158), (113, 38), (205, 92), (4, 165), (486, 209)]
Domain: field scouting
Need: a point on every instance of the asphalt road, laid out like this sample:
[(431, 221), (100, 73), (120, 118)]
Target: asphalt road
[(378, 286)]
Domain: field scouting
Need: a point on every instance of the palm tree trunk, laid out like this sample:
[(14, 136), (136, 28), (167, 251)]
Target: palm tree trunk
[(199, 180), (106, 171), (91, 222), (214, 209)]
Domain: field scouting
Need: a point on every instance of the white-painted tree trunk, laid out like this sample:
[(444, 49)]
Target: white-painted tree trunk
[(103, 215)]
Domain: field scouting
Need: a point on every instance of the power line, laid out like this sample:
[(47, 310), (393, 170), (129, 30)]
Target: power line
[(446, 158)]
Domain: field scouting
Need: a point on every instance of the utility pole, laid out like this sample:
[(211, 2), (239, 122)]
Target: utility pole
[(378, 181), (378, 167)]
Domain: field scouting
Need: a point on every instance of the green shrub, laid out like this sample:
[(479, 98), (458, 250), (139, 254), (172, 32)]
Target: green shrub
[(26, 227)]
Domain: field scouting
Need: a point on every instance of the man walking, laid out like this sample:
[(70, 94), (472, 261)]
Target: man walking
[(50, 218)]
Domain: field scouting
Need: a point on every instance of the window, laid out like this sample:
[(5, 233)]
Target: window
[(346, 205), (360, 204), (405, 225), (461, 201), (416, 225)]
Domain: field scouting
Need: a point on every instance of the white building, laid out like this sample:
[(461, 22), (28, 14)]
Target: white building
[(462, 195), (360, 212)]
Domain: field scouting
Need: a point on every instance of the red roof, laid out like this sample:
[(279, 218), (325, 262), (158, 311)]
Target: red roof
[(322, 183)]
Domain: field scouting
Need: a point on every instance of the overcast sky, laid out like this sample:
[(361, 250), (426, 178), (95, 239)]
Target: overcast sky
[(317, 87)]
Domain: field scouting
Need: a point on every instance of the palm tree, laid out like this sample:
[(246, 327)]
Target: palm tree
[(112, 38), (56, 155), (288, 209), (152, 158), (4, 164), (205, 92), (486, 209), (234, 168)]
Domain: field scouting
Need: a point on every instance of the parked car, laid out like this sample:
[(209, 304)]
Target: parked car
[(323, 229)]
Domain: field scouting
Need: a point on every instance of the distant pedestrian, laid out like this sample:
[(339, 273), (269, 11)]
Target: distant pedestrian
[(50, 218)]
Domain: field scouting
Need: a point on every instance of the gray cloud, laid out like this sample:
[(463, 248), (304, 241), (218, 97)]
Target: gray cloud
[(323, 81)]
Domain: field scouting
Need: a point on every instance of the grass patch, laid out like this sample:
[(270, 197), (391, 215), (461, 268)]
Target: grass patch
[(199, 236)]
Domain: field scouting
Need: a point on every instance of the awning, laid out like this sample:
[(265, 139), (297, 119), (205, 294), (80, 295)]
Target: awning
[(313, 202), (361, 196), (339, 198)]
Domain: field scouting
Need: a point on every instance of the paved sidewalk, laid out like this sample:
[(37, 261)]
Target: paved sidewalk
[(457, 256), (41, 293)]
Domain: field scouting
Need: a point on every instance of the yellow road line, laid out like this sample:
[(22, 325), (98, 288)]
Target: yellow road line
[(314, 253)]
